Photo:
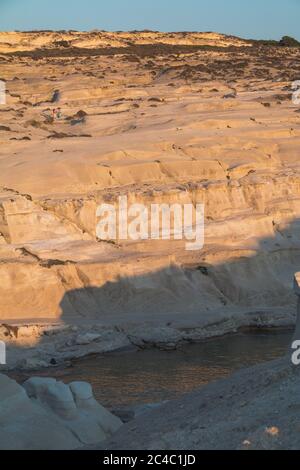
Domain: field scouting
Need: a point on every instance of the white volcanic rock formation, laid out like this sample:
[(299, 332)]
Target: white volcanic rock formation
[(45, 414), (216, 126)]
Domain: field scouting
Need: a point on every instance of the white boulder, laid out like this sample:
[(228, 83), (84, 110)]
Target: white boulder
[(46, 414), (85, 401)]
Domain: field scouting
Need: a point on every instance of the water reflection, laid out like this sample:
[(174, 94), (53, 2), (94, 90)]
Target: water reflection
[(150, 376)]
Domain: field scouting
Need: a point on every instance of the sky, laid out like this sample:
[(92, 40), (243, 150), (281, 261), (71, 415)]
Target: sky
[(257, 19)]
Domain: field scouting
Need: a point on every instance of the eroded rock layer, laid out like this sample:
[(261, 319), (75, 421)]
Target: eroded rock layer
[(215, 125)]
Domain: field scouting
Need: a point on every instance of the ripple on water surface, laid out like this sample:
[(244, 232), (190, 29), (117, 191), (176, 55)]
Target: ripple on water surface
[(150, 376)]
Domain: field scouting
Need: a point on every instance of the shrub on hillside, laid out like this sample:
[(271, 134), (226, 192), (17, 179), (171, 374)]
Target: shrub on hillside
[(288, 41)]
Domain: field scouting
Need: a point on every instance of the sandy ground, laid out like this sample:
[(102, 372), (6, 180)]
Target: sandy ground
[(159, 118)]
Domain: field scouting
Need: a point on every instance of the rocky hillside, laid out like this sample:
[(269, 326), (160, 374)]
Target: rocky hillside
[(11, 42), (159, 125)]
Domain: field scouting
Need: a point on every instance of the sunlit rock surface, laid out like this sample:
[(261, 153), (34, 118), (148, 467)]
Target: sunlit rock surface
[(181, 122)]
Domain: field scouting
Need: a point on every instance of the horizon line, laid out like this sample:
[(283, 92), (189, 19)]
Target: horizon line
[(144, 30)]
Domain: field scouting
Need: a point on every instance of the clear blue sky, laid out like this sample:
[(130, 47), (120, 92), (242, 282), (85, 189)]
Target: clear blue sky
[(267, 19)]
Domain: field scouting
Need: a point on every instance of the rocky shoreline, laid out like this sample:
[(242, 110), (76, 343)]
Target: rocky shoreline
[(144, 426), (38, 346), (240, 412)]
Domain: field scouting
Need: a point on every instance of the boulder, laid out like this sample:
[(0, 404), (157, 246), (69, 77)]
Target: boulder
[(85, 401), (52, 394), (76, 405), (45, 414), (26, 425), (36, 386)]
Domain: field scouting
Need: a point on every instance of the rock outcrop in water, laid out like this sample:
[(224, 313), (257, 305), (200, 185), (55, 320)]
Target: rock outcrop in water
[(46, 414)]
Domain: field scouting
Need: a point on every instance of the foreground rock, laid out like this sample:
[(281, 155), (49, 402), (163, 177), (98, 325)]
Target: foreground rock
[(46, 414)]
